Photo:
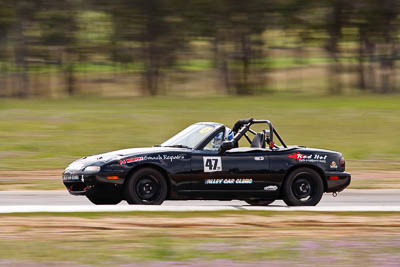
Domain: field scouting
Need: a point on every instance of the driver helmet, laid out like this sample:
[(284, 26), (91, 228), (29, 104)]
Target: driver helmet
[(228, 134), (222, 136)]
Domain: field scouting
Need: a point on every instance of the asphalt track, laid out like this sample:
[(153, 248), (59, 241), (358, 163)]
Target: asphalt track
[(62, 201)]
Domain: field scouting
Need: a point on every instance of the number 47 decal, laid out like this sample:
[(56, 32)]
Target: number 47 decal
[(212, 164)]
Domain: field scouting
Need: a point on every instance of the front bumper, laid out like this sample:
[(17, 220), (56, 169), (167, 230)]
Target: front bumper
[(81, 184), (337, 181)]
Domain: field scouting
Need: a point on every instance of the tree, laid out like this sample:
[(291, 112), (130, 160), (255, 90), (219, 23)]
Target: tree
[(154, 30), (337, 18), (24, 15), (234, 28), (7, 19), (58, 28), (378, 28)]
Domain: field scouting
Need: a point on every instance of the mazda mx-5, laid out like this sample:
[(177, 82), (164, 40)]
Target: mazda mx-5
[(206, 161)]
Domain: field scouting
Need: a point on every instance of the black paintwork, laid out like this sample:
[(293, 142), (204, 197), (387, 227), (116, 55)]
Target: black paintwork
[(185, 171)]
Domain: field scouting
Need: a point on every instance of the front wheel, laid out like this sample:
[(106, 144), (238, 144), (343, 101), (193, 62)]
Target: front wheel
[(259, 202), (303, 187), (147, 186)]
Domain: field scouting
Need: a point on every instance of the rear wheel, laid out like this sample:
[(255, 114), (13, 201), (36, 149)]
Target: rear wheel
[(104, 200), (303, 187), (259, 202), (147, 186)]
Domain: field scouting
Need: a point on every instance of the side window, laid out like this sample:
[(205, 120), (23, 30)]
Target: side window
[(215, 143)]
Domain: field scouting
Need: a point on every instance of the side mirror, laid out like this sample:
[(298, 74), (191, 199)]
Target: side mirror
[(226, 145)]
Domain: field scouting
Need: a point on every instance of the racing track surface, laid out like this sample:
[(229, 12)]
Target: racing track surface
[(61, 200)]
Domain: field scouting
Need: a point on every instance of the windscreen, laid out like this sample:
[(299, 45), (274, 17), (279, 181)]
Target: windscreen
[(191, 136)]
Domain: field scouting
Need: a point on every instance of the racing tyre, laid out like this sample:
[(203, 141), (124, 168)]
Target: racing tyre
[(259, 202), (147, 186), (303, 187), (104, 200)]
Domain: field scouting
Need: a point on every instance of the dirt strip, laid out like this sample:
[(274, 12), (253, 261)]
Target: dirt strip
[(38, 174), (230, 225)]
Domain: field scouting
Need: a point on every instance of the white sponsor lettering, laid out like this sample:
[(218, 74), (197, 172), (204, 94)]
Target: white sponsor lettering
[(228, 181)]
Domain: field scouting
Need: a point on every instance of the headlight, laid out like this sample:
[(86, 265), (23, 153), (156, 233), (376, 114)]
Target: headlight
[(91, 169)]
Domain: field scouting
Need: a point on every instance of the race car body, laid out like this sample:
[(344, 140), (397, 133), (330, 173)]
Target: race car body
[(201, 162)]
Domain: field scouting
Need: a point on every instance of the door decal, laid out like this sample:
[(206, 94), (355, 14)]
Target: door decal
[(212, 164), (229, 181)]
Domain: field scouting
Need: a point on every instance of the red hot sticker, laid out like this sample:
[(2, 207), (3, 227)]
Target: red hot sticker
[(298, 156)]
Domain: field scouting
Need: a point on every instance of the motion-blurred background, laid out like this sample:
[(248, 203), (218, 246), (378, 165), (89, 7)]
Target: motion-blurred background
[(81, 77), (197, 47)]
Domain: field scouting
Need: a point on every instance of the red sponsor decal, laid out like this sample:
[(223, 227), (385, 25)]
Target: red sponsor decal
[(134, 159), (125, 161), (297, 156)]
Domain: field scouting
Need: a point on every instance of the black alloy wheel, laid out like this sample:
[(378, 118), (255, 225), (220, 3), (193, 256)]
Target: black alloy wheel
[(303, 187), (146, 186)]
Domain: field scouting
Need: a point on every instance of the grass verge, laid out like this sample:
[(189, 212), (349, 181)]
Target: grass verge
[(277, 238), (46, 134)]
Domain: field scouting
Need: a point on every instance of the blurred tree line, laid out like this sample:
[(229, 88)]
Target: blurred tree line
[(151, 38)]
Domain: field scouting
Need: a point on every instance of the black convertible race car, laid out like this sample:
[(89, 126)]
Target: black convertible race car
[(204, 161)]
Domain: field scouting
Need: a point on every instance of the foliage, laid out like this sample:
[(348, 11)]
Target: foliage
[(235, 35)]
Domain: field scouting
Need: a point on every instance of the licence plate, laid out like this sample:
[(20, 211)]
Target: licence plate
[(69, 177)]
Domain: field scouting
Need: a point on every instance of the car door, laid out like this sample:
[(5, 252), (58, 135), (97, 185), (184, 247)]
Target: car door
[(233, 174)]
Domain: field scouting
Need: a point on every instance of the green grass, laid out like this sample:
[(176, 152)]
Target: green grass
[(50, 133), (187, 65)]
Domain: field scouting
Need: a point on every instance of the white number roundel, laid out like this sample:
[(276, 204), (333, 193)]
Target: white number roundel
[(212, 164)]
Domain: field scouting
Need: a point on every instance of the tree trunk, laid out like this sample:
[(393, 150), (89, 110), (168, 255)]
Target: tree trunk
[(334, 27), (21, 51), (70, 79), (68, 70), (245, 58), (387, 62), (361, 55), (152, 76), (152, 68), (387, 65), (221, 62), (393, 66), (243, 86), (335, 84), (3, 80), (371, 81)]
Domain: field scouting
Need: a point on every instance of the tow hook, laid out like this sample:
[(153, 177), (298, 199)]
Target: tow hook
[(334, 194)]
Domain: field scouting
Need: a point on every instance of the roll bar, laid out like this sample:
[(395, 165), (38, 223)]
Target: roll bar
[(244, 127)]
